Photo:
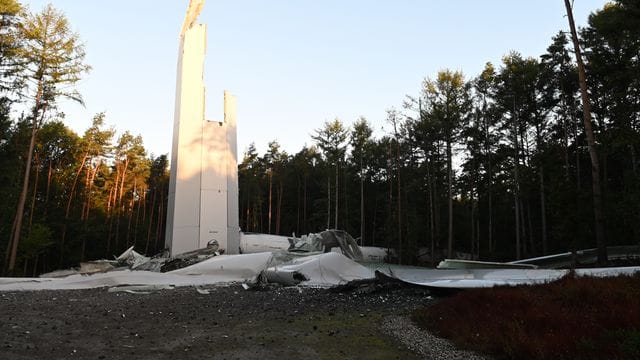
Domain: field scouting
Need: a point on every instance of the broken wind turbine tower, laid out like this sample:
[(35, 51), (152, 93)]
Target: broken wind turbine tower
[(203, 188)]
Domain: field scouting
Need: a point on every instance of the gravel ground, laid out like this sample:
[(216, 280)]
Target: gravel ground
[(421, 342), (368, 321)]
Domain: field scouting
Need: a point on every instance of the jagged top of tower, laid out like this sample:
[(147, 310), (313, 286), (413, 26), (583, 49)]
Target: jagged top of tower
[(193, 11)]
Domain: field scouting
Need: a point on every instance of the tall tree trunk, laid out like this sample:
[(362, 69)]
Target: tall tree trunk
[(578, 162), (160, 221), (270, 198), (110, 216), (335, 222), (516, 165), (68, 209), (399, 194), (595, 164), (279, 209), (543, 213), (248, 211), (130, 216), (328, 201), (153, 206), (298, 201), (137, 205), (450, 201), (94, 173), (361, 203), (375, 215), (35, 193), (46, 197), (565, 139), (532, 247), (304, 206), (35, 266), (431, 215), (472, 226), (17, 227), (346, 202)]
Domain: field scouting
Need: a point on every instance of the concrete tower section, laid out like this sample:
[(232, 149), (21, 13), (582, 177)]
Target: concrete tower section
[(203, 187)]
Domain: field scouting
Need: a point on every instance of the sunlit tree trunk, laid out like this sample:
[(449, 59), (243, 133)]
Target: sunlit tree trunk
[(17, 226)]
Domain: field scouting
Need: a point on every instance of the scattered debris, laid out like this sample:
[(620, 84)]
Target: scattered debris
[(326, 269), (327, 259), (483, 278), (325, 241), (202, 291), (192, 257), (140, 289), (471, 264)]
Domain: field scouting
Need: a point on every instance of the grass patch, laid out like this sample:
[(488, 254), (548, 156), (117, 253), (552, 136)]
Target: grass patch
[(574, 317)]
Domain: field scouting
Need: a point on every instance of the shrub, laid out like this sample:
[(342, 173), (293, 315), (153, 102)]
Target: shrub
[(574, 317)]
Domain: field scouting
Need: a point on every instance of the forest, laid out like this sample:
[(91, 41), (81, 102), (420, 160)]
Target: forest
[(492, 166)]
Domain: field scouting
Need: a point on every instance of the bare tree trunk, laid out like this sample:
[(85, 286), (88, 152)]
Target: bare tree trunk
[(362, 226), (68, 209), (130, 215), (298, 201), (431, 215), (399, 194), (375, 215), (109, 233), (346, 202), (247, 215), (94, 173), (35, 266), (159, 222), (532, 247), (17, 228), (595, 164), (516, 165), (565, 140), (335, 222), (328, 201), (543, 213), (578, 162), (270, 197), (304, 206), (35, 192), (46, 197), (153, 206), (279, 210), (450, 202)]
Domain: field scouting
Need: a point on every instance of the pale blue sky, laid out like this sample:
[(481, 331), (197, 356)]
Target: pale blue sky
[(293, 64)]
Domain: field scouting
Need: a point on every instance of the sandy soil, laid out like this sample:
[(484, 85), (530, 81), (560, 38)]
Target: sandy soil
[(227, 323)]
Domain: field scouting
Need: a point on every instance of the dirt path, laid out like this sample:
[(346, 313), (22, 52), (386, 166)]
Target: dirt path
[(227, 323)]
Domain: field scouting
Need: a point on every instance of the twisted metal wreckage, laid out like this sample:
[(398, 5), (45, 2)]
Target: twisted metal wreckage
[(326, 259)]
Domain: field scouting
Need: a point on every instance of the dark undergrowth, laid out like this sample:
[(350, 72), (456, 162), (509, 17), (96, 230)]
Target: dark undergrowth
[(572, 318)]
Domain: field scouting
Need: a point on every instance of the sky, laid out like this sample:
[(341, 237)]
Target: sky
[(293, 64)]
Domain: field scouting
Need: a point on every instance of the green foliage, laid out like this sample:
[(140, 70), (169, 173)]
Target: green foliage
[(36, 242), (10, 44)]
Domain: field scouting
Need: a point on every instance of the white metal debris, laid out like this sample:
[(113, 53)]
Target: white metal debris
[(483, 278), (219, 269), (326, 269)]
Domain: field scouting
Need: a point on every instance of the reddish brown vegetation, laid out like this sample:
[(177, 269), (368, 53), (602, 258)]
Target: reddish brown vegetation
[(573, 318)]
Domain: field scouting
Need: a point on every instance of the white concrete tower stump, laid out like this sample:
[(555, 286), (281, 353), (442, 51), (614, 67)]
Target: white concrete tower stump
[(203, 187)]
